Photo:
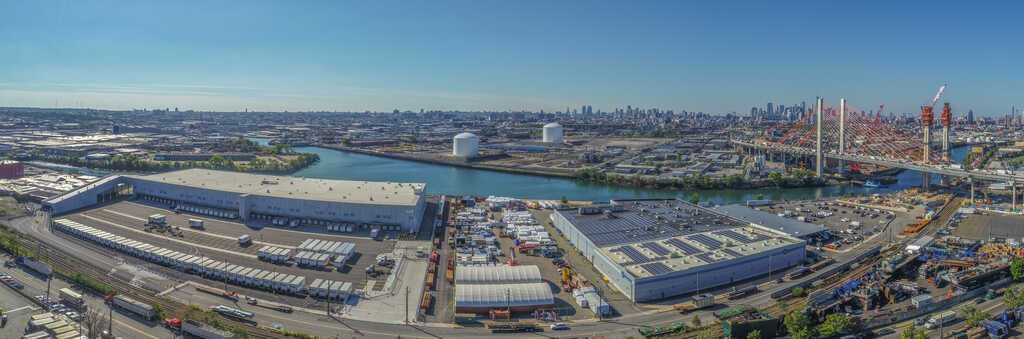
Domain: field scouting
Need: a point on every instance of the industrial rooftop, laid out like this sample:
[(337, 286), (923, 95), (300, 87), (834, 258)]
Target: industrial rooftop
[(652, 258), (655, 237), (356, 192), (645, 220), (789, 226)]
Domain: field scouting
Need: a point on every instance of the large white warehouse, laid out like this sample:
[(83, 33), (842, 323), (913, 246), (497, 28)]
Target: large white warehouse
[(655, 249), (465, 145), (553, 132), (247, 196)]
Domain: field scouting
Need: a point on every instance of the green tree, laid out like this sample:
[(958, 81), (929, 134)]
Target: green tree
[(836, 323), (565, 200), (799, 292), (707, 334), (760, 196), (776, 178), (1017, 269), (799, 326), (1013, 298), (755, 334), (696, 321), (694, 198), (974, 316), (908, 332)]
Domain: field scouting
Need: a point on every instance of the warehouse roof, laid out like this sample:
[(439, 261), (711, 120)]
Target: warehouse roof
[(652, 237), (789, 226), (502, 295), (356, 192), (629, 221), (503, 274)]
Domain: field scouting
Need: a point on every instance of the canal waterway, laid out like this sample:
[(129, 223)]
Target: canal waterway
[(450, 180)]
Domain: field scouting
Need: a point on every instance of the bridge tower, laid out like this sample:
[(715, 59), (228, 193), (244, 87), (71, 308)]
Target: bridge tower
[(947, 119), (927, 117), (817, 149), (842, 134)]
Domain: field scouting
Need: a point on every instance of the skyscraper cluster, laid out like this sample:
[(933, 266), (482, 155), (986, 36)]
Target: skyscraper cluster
[(772, 111)]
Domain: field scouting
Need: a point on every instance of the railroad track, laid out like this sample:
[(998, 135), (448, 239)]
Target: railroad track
[(864, 267), (67, 262)]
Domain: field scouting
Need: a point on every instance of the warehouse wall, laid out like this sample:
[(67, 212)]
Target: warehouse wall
[(616, 274), (409, 217), (82, 197), (720, 273)]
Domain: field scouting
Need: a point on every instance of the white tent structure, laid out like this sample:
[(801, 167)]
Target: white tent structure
[(516, 297), (502, 274)]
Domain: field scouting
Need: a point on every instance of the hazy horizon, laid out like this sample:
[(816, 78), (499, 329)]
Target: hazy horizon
[(526, 56)]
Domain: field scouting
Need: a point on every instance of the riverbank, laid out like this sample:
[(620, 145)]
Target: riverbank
[(634, 181), (453, 162)]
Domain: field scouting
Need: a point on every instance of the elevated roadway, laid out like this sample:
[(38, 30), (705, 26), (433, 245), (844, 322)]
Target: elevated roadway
[(926, 168)]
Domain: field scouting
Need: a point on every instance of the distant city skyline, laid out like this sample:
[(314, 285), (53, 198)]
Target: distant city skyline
[(533, 56)]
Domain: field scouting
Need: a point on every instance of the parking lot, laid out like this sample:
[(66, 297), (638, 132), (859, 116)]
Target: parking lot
[(218, 241), (848, 225)]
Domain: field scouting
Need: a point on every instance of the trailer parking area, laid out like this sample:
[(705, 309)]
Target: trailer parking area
[(218, 241)]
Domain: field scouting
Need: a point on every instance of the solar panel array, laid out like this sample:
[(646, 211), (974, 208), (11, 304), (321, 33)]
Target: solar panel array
[(705, 240), (735, 236), (656, 248), (632, 253), (707, 257), (657, 268), (686, 248), (642, 221), (731, 252)]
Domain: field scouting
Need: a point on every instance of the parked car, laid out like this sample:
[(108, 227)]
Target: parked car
[(885, 331), (559, 326)]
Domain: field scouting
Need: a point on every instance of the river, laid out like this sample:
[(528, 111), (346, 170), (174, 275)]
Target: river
[(342, 165)]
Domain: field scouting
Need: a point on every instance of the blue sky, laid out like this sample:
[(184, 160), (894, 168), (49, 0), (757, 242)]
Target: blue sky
[(507, 55)]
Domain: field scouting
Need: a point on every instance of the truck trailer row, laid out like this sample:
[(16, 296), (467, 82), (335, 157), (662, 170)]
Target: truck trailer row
[(199, 265)]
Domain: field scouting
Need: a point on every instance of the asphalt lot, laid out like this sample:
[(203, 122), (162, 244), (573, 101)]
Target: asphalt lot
[(18, 310), (218, 240), (839, 222)]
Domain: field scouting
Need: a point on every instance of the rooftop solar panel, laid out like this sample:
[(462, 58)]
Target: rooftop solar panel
[(656, 268), (656, 248), (735, 236), (644, 221), (686, 248), (731, 252), (705, 240), (707, 257), (632, 253)]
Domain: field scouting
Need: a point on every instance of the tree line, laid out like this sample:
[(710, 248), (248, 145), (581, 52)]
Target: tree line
[(132, 162)]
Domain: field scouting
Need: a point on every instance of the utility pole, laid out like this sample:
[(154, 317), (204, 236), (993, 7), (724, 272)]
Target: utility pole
[(110, 319), (406, 311)]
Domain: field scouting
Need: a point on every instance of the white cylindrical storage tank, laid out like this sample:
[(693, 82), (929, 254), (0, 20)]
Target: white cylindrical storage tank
[(553, 132), (465, 145)]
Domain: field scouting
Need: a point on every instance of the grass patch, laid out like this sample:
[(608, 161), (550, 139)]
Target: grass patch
[(10, 241), (99, 287), (9, 207)]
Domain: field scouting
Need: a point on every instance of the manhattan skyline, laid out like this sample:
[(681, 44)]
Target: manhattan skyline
[(530, 56)]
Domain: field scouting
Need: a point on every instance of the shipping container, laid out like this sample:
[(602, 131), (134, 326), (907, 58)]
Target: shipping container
[(131, 305)]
